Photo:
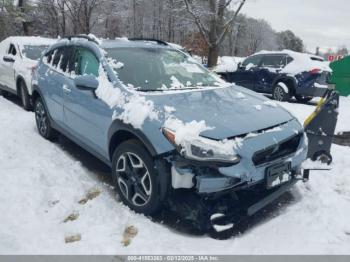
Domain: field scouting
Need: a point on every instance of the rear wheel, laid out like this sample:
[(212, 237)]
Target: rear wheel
[(303, 99), (42, 120), (25, 96), (135, 177), (281, 92)]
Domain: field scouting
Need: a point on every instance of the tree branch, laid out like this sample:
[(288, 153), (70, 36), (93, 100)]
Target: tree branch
[(204, 32), (229, 23)]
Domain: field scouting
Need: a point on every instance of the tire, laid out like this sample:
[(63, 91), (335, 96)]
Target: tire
[(43, 121), (303, 99), (25, 99), (135, 178), (279, 92)]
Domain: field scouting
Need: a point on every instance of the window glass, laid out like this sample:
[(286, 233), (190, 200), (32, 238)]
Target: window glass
[(66, 58), (12, 50), (274, 61), (86, 62), (159, 69), (57, 56), (254, 60), (33, 52)]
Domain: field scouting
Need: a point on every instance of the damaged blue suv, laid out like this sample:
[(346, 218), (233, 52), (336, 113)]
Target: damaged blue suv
[(168, 128)]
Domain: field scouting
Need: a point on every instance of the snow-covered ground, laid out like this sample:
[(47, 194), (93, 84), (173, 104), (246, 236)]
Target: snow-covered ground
[(42, 183)]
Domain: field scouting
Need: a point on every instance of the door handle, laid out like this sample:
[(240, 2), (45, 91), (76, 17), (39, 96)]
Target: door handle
[(66, 89)]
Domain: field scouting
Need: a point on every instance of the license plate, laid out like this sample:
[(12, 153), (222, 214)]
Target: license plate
[(278, 174)]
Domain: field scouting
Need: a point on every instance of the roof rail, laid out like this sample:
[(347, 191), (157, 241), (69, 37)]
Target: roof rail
[(81, 36), (160, 42)]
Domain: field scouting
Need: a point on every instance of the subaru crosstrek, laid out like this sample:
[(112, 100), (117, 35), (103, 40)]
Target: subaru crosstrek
[(165, 124), (283, 74)]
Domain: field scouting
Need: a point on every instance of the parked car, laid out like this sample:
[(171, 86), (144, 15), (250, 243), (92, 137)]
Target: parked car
[(283, 74), (18, 58), (164, 123)]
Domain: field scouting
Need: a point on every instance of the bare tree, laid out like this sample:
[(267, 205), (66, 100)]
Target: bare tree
[(216, 27)]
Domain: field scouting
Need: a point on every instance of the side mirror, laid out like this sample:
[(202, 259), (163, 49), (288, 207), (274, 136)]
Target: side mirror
[(86, 82), (240, 66), (8, 59)]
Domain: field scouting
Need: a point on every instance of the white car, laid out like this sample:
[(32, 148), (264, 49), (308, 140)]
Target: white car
[(18, 58)]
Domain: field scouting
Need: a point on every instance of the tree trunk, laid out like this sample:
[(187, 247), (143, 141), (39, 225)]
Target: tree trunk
[(213, 55)]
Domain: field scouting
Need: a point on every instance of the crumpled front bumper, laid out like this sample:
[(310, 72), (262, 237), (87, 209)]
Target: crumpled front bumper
[(246, 173)]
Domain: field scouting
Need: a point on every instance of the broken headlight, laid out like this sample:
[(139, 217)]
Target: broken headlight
[(203, 149)]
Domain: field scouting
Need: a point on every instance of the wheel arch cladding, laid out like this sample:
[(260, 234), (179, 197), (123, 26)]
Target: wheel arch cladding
[(120, 132), (19, 80)]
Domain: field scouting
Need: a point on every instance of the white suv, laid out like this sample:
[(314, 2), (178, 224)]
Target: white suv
[(18, 58)]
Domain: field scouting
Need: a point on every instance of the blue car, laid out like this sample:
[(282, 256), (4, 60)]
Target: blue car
[(283, 74), (165, 124)]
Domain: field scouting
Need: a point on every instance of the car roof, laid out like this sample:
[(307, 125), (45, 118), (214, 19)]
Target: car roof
[(31, 40)]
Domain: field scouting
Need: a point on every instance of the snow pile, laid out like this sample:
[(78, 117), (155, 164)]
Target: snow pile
[(301, 62), (227, 64), (185, 131)]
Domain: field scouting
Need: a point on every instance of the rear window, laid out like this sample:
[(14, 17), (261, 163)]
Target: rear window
[(33, 52)]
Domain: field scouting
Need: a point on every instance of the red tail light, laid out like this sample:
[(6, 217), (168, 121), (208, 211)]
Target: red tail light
[(315, 71)]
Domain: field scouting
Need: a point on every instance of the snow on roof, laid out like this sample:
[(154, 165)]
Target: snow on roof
[(31, 40), (302, 62)]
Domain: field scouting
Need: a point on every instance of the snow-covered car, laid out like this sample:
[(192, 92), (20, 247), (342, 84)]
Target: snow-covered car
[(283, 74), (166, 126), (18, 58)]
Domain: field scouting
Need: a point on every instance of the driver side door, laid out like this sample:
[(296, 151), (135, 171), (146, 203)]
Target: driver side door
[(246, 74), (85, 116)]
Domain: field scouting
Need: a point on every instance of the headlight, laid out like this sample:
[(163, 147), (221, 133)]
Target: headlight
[(203, 149)]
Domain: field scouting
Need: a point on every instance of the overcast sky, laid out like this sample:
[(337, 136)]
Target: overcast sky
[(324, 23)]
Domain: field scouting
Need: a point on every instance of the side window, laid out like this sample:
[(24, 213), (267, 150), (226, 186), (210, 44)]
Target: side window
[(85, 62), (254, 60), (288, 59), (57, 56), (67, 53), (12, 50), (273, 61), (49, 55)]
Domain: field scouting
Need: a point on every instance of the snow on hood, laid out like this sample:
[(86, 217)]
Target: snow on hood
[(302, 62)]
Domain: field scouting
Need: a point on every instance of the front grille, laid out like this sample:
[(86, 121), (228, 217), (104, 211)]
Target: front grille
[(280, 150)]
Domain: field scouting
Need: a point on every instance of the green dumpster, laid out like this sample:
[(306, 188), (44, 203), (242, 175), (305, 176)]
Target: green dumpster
[(341, 75)]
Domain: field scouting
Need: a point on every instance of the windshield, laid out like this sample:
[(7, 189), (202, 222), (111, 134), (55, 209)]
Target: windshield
[(153, 69), (33, 52)]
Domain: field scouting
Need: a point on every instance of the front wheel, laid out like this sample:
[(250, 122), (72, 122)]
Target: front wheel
[(42, 120), (135, 177), (281, 92)]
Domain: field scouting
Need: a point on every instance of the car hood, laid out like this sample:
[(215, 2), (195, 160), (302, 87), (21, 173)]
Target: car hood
[(230, 111)]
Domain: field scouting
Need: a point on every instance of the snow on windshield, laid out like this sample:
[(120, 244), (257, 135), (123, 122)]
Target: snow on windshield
[(149, 69)]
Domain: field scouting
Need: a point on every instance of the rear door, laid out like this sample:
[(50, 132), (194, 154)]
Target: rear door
[(269, 69), (246, 74), (56, 80), (86, 116)]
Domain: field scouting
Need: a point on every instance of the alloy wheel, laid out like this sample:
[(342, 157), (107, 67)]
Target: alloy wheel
[(134, 179), (41, 118), (279, 93)]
